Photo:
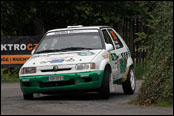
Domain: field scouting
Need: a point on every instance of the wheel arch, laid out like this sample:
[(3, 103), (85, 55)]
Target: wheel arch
[(108, 67), (128, 66), (104, 64), (129, 62)]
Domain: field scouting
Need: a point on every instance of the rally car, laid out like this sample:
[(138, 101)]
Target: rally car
[(87, 58)]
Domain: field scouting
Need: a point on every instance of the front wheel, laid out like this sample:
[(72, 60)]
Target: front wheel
[(104, 91), (130, 84)]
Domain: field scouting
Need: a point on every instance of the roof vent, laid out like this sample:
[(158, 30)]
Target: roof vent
[(75, 26)]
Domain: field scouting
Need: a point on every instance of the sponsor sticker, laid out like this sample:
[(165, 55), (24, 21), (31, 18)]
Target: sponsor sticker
[(105, 56), (113, 57), (70, 31), (113, 35), (57, 61), (85, 53), (70, 60), (123, 63)]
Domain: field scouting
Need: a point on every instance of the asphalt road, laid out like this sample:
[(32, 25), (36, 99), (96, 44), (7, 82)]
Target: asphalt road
[(12, 103)]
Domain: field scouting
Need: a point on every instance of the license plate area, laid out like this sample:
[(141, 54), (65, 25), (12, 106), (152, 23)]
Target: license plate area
[(55, 78)]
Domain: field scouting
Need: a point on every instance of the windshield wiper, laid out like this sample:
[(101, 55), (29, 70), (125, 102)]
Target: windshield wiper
[(64, 49)]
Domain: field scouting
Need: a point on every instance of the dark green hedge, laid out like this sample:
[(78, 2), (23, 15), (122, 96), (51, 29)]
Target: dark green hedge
[(158, 85)]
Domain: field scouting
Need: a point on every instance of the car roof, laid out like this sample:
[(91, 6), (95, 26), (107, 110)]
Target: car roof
[(78, 27)]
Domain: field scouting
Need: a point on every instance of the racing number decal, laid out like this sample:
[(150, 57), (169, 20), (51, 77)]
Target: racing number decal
[(125, 55)]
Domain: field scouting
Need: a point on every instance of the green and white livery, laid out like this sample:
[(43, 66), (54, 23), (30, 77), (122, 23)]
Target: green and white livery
[(87, 58)]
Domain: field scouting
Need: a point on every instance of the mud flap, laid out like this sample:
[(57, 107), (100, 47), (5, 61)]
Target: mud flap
[(125, 75)]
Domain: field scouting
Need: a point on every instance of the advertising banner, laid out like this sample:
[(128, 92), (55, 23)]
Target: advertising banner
[(16, 50)]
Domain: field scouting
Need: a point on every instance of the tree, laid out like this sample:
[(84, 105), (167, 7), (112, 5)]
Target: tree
[(36, 17)]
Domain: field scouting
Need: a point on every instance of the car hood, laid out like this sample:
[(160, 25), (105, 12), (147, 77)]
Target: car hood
[(62, 58)]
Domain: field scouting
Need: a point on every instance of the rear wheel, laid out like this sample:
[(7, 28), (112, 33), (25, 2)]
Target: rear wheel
[(104, 91), (129, 85), (28, 96)]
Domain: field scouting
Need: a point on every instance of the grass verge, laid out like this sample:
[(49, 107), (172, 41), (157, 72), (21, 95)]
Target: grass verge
[(160, 104), (140, 70), (163, 104)]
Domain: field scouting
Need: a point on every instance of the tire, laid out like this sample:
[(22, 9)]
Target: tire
[(28, 96), (129, 85), (104, 91)]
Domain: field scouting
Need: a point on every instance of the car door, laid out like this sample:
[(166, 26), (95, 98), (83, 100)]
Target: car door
[(121, 51), (112, 54)]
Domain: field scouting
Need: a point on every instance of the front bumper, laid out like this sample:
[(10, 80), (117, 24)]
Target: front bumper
[(72, 81)]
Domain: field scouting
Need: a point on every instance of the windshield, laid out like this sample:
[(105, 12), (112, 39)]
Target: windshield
[(70, 40)]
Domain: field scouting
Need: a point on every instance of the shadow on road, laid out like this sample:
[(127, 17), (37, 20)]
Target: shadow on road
[(76, 96)]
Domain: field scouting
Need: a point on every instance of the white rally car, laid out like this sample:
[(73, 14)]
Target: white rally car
[(91, 58)]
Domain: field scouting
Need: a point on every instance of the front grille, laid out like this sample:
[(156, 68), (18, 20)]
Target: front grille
[(51, 70), (89, 79), (27, 84), (56, 84)]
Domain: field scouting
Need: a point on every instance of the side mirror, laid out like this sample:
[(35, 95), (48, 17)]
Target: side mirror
[(32, 52), (109, 47)]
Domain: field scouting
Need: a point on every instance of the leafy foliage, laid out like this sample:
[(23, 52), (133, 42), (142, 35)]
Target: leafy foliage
[(140, 70), (36, 17), (158, 85), (9, 74)]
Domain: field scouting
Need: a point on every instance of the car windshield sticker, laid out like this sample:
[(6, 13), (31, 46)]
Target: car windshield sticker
[(113, 35), (70, 32)]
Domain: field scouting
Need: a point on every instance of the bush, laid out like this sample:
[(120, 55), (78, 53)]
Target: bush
[(9, 74), (140, 70), (158, 84)]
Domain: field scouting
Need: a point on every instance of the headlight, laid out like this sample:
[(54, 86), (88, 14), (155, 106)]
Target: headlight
[(28, 70), (85, 66)]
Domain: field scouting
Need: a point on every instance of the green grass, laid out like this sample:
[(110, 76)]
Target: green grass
[(134, 101), (163, 104), (160, 104), (140, 71)]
